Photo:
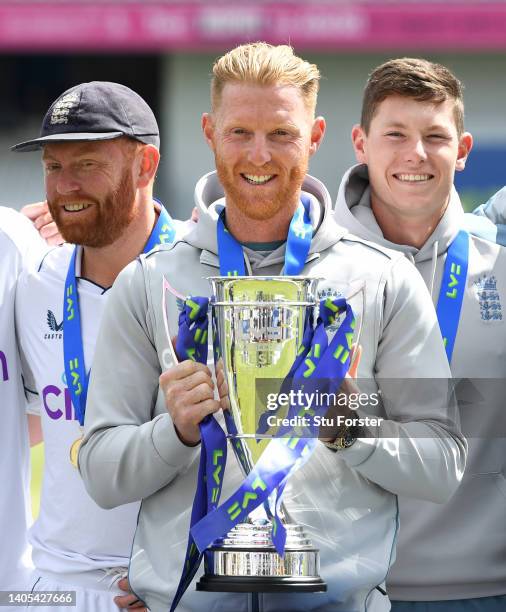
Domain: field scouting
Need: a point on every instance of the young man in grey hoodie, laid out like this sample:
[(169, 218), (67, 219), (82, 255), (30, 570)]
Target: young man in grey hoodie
[(409, 143), (143, 414)]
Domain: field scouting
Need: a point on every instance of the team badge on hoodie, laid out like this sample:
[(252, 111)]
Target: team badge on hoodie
[(489, 299)]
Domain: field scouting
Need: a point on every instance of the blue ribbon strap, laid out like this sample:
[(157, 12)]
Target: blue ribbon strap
[(298, 243), (192, 344), (77, 378), (164, 231), (230, 251), (299, 238), (453, 288), (73, 353), (284, 455)]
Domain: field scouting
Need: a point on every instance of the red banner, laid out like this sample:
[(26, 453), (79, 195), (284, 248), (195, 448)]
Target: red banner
[(137, 26)]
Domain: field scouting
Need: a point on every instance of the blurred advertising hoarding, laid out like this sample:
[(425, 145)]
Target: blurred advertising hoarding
[(198, 26)]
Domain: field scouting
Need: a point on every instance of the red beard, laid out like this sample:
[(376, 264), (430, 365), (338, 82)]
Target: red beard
[(111, 215)]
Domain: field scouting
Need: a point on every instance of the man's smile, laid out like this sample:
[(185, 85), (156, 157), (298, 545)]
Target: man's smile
[(254, 179), (413, 178), (76, 206)]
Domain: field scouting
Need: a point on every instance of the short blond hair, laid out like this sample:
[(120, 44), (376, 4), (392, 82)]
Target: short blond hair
[(260, 63)]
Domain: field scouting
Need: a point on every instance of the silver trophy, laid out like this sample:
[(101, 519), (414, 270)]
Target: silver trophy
[(258, 326)]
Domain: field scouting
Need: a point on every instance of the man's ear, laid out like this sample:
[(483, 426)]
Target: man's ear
[(317, 134), (465, 146), (359, 138), (207, 123), (148, 165)]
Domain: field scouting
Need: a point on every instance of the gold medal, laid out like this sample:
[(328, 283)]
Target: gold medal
[(74, 450)]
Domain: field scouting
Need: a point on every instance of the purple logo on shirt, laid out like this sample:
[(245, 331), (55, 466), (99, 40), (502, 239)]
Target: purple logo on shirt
[(58, 403), (3, 365)]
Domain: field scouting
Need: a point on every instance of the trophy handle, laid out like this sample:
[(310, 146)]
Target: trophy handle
[(166, 286), (355, 290)]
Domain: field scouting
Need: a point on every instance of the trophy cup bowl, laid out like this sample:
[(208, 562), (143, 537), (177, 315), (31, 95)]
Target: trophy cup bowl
[(258, 325)]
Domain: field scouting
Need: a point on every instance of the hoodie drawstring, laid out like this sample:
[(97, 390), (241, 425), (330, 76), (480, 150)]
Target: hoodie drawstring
[(248, 264), (434, 266)]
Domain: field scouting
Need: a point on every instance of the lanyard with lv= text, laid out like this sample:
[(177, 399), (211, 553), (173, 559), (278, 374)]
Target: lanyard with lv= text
[(77, 378), (208, 521), (453, 288), (192, 344)]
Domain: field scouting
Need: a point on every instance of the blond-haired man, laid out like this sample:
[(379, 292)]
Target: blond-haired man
[(144, 411), (410, 142)]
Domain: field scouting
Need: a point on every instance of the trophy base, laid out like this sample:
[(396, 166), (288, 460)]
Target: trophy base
[(260, 584), (245, 561)]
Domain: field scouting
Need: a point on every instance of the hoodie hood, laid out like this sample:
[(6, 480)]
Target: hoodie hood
[(353, 211), (210, 198)]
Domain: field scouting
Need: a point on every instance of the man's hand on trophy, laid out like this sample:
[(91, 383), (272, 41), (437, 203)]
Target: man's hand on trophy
[(189, 397), (222, 385)]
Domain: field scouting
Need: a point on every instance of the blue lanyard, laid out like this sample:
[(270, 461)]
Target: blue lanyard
[(453, 288), (73, 353), (298, 244)]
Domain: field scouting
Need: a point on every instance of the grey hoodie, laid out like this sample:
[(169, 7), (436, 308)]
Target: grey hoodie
[(346, 500), (456, 550)]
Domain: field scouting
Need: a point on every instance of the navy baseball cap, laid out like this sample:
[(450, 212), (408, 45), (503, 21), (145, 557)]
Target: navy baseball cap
[(99, 110)]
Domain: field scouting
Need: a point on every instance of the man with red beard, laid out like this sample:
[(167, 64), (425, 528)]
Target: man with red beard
[(262, 215), (100, 154)]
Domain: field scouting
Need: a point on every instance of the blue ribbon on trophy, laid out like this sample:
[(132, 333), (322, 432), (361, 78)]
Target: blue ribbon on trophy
[(316, 359), (286, 453), (192, 344)]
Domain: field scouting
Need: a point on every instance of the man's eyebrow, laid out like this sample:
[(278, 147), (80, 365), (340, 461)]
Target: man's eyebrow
[(84, 149), (400, 125), (396, 124), (438, 126)]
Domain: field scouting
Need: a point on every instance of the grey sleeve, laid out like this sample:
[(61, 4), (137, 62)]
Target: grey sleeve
[(130, 449), (419, 450), (493, 210)]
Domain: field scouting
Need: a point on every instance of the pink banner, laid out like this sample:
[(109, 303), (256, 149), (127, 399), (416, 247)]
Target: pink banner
[(137, 26)]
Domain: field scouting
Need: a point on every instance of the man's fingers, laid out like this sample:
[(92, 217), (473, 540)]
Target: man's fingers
[(51, 234), (182, 370), (191, 416), (200, 393), (32, 211), (129, 602), (209, 406), (49, 230), (42, 220), (184, 385)]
